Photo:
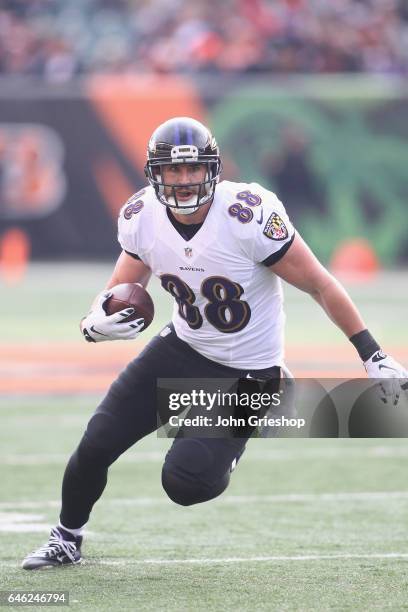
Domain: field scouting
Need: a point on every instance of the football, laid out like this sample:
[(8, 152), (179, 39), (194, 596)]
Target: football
[(131, 295)]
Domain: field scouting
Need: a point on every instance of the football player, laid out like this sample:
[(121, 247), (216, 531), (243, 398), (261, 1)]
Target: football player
[(220, 249)]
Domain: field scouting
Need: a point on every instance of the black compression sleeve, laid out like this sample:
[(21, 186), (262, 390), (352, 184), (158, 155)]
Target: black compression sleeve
[(365, 344)]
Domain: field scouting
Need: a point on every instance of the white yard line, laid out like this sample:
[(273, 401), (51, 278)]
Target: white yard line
[(61, 458), (22, 522), (359, 496), (251, 455), (228, 560), (28, 505), (205, 561), (355, 496)]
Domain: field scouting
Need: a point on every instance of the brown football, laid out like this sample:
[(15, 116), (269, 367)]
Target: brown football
[(131, 295)]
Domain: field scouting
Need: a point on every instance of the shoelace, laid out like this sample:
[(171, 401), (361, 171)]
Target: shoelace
[(56, 545)]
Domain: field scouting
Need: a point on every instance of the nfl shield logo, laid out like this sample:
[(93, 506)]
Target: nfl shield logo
[(188, 252)]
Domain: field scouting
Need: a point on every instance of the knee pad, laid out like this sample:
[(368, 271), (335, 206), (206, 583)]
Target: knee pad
[(189, 473)]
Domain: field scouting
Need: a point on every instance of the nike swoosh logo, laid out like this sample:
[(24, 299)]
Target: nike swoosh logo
[(382, 367), (92, 328), (378, 356), (261, 219)]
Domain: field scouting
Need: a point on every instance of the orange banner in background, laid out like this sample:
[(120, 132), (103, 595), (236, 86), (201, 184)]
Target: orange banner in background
[(131, 108)]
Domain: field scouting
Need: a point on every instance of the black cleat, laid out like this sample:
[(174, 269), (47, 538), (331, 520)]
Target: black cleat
[(58, 551)]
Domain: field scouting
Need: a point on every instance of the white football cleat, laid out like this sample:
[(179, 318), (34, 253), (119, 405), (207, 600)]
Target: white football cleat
[(57, 552)]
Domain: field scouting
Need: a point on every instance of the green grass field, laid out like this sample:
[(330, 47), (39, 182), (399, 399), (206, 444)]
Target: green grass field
[(305, 525)]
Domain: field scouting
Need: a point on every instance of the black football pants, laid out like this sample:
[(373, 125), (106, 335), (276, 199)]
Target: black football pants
[(195, 469)]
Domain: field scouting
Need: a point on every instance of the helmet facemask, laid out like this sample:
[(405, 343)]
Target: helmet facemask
[(205, 191), (183, 140)]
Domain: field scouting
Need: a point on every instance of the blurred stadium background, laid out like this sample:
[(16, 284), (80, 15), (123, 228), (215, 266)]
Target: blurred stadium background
[(307, 98)]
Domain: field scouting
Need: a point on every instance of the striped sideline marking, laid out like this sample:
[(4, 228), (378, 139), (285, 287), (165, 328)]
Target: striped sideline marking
[(359, 496)]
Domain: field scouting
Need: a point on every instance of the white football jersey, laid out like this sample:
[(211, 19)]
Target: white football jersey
[(228, 304)]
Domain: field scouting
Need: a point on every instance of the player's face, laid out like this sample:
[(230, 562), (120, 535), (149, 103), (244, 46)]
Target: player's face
[(183, 175)]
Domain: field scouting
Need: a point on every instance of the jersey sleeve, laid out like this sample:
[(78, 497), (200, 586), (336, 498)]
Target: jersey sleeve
[(129, 225), (132, 255), (274, 232)]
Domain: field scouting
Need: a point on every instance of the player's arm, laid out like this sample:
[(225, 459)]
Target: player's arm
[(129, 269), (300, 267), (97, 326)]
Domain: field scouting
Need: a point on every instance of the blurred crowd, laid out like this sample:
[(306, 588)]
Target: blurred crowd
[(60, 39)]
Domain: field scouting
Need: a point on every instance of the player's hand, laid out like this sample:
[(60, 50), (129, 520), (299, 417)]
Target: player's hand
[(97, 326), (393, 376)]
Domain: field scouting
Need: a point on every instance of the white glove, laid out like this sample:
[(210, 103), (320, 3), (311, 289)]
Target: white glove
[(394, 375), (97, 326)]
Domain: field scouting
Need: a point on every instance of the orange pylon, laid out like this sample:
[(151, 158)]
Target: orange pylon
[(14, 255), (355, 260)]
